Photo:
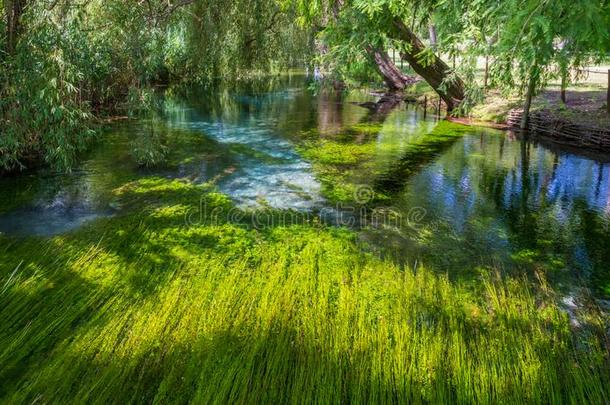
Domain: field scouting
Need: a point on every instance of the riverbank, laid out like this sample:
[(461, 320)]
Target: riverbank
[(582, 122), (586, 106)]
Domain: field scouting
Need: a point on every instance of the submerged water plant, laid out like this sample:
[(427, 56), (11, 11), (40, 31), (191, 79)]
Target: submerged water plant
[(146, 307)]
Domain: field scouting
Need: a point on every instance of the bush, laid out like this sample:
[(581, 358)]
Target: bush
[(42, 111)]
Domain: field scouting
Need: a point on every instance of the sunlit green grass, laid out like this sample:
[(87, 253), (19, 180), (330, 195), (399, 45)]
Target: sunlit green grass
[(143, 308)]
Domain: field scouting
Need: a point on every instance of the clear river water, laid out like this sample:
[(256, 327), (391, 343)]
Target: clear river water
[(484, 199)]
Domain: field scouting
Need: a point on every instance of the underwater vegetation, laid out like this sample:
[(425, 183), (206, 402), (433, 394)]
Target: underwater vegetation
[(182, 293), (148, 307), (348, 162)]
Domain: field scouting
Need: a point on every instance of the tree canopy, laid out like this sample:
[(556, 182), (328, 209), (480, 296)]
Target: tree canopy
[(64, 62)]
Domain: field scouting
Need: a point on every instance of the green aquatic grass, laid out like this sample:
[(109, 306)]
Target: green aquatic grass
[(345, 167), (335, 164), (336, 153), (143, 308)]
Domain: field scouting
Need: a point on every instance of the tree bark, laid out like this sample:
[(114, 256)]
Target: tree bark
[(13, 10), (394, 78), (452, 92), (528, 103)]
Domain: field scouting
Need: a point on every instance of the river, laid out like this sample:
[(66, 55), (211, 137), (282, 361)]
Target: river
[(485, 199)]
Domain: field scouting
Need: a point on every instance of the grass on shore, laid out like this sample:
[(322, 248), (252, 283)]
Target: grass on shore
[(143, 308)]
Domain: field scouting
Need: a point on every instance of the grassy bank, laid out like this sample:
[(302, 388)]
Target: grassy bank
[(145, 308)]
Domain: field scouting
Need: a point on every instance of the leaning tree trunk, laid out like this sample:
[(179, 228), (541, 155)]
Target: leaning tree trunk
[(435, 73), (394, 78)]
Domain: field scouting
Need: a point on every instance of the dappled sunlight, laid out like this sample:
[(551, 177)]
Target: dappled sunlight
[(304, 301), (439, 292), (288, 201)]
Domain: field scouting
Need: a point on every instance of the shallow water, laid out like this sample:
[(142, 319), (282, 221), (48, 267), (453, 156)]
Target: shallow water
[(269, 171), (484, 199)]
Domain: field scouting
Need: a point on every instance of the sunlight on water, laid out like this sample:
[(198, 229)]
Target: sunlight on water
[(270, 172), (488, 198)]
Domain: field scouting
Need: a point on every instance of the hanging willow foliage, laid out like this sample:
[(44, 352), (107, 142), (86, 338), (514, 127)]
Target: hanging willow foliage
[(62, 62)]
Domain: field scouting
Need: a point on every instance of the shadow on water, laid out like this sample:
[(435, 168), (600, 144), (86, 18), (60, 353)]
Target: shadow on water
[(496, 201), (416, 155)]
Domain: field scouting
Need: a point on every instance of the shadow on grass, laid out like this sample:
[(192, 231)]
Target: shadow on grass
[(143, 308), (278, 362)]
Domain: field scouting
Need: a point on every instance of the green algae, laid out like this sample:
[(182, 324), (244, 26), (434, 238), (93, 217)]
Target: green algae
[(326, 152)]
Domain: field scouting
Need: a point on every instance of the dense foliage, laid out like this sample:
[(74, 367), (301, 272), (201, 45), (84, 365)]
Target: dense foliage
[(527, 42), (64, 62)]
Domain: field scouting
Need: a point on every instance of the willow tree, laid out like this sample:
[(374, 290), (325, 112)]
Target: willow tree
[(537, 41), (64, 61), (346, 48), (390, 18), (228, 38), (375, 25)]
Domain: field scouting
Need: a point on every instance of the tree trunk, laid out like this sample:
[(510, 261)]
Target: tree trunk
[(486, 78), (394, 78), (528, 103), (433, 40), (452, 92), (13, 10)]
